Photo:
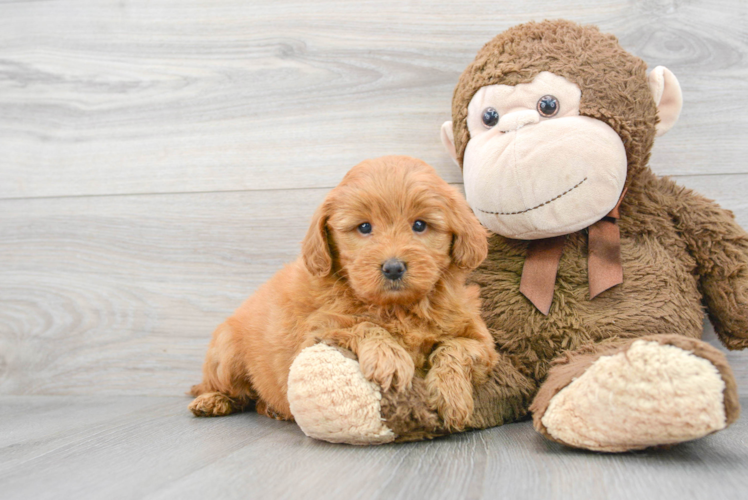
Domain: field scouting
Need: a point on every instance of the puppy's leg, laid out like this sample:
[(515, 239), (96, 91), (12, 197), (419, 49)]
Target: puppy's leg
[(225, 388), (456, 364), (265, 409), (381, 358), (213, 404)]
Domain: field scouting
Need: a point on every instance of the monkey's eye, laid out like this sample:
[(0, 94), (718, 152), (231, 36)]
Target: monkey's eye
[(419, 226), (548, 106), (364, 228), (490, 117)]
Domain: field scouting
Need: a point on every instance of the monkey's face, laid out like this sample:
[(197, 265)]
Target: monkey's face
[(534, 168)]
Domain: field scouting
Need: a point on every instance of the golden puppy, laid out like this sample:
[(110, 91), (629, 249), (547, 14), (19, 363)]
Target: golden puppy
[(382, 273)]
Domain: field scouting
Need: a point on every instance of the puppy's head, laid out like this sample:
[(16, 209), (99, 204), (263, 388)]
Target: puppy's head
[(393, 228)]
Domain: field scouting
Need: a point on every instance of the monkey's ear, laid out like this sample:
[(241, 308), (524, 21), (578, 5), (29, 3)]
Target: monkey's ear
[(667, 96), (315, 249), (448, 139)]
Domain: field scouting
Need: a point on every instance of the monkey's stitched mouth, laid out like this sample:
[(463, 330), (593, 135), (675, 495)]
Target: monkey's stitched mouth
[(537, 206)]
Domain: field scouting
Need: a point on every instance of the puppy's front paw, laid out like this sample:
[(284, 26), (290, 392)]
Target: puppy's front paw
[(452, 397), (386, 363)]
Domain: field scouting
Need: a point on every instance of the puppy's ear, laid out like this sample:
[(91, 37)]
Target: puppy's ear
[(315, 249), (470, 241)]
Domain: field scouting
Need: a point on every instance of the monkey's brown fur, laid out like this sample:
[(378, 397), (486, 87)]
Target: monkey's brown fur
[(427, 321), (681, 252)]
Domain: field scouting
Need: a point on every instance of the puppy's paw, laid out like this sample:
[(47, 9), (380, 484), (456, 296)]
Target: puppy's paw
[(262, 408), (452, 397), (212, 404), (483, 366), (387, 364)]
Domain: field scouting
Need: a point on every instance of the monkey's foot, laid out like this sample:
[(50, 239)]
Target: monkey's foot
[(646, 393), (331, 400)]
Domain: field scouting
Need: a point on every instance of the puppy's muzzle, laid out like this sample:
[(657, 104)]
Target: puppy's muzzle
[(393, 269)]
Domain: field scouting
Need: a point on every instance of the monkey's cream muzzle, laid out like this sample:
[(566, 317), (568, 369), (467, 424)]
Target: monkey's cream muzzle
[(544, 179), (531, 177)]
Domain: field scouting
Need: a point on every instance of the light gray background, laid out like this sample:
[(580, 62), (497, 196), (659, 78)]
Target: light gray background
[(160, 159)]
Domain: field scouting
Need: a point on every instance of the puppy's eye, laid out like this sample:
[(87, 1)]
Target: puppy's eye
[(490, 117), (419, 226), (548, 106), (364, 228)]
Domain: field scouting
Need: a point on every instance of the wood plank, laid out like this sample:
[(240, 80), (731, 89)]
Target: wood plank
[(512, 460), (150, 97), (92, 447), (113, 447), (119, 294)]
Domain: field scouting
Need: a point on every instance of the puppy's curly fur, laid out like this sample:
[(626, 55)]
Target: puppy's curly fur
[(426, 322)]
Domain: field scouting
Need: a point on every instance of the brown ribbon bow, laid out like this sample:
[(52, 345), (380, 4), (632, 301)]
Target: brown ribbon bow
[(603, 261)]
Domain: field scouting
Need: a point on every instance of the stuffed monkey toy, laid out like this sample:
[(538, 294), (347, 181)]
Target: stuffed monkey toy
[(598, 272)]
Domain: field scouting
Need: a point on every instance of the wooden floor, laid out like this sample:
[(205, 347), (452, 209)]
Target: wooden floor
[(159, 159), (85, 447)]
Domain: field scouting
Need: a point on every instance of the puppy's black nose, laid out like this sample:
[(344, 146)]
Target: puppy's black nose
[(393, 269)]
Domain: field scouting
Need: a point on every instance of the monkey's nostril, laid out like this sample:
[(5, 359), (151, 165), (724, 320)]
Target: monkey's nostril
[(393, 269)]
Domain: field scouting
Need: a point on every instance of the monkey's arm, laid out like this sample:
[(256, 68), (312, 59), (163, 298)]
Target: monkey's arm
[(720, 247), (501, 399)]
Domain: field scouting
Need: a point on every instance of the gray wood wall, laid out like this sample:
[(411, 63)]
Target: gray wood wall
[(160, 159)]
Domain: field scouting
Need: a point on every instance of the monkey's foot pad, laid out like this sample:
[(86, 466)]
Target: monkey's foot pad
[(332, 401), (649, 395)]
